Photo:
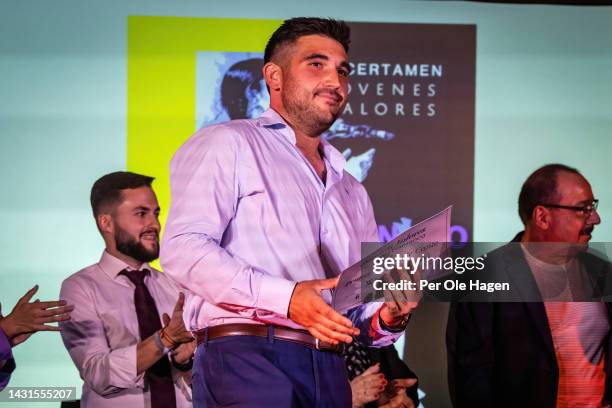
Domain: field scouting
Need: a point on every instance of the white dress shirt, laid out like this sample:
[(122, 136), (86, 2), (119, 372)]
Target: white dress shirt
[(102, 335), (250, 217)]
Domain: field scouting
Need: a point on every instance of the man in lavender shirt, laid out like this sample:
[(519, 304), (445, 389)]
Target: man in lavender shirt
[(126, 336), (263, 219), (25, 319)]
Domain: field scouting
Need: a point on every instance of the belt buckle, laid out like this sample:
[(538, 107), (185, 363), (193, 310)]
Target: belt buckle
[(339, 348)]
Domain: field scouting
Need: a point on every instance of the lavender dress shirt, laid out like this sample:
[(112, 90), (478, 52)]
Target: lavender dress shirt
[(7, 364), (249, 218), (102, 334)]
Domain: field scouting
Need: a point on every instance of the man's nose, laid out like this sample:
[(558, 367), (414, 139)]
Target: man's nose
[(594, 218), (153, 221), (332, 78)]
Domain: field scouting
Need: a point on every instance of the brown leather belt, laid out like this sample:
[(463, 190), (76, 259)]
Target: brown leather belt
[(278, 332)]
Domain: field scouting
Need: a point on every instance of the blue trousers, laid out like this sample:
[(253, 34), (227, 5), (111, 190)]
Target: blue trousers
[(253, 372)]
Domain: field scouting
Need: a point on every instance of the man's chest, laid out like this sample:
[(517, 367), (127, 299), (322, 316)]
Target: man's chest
[(291, 179)]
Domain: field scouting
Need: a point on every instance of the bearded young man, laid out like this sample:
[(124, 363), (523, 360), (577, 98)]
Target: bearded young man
[(263, 219), (127, 349)]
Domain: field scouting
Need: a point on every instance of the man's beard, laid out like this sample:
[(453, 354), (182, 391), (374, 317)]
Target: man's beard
[(127, 245), (304, 113)]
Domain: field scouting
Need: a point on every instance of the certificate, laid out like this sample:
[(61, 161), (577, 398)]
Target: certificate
[(429, 238)]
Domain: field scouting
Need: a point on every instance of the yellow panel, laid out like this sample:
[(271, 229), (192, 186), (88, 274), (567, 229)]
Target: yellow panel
[(161, 84)]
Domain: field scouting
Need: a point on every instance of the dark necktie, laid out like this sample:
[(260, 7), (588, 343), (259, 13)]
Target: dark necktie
[(159, 374)]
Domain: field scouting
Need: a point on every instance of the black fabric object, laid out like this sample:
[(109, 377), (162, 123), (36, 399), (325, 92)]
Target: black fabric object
[(159, 375), (393, 367)]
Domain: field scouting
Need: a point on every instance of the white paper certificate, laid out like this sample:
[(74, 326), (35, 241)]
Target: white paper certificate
[(429, 238)]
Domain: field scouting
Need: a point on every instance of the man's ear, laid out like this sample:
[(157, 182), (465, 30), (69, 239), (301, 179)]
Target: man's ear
[(105, 223), (541, 217), (273, 75)]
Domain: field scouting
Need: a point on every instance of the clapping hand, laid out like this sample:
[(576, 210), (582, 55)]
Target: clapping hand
[(184, 352), (174, 327), (27, 317)]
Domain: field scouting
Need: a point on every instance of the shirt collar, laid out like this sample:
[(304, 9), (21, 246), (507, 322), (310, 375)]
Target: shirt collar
[(273, 120), (112, 265)]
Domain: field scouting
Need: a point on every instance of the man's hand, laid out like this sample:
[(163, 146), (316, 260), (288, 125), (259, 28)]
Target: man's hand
[(395, 314), (367, 386), (308, 309), (174, 327), (27, 318), (397, 307), (183, 353)]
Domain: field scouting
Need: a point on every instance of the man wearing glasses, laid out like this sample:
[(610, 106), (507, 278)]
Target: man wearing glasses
[(551, 348)]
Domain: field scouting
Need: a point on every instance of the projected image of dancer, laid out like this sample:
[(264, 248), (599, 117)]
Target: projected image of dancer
[(243, 90)]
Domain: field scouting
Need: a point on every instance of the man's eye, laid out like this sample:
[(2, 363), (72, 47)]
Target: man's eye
[(316, 64), (343, 72)]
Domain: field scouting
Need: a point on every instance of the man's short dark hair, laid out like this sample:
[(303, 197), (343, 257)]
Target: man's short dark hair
[(106, 191), (541, 188), (289, 32)]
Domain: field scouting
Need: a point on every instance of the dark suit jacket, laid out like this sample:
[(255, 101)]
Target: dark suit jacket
[(502, 354)]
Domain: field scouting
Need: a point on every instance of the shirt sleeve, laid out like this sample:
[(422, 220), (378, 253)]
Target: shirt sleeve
[(7, 363), (204, 186), (105, 370), (365, 317)]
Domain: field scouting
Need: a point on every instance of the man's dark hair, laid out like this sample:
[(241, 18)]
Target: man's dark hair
[(294, 28), (541, 188), (238, 79), (106, 191)]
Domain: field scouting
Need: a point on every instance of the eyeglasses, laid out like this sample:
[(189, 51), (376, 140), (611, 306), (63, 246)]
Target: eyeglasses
[(585, 210)]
